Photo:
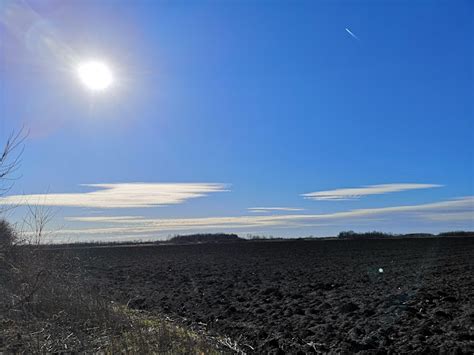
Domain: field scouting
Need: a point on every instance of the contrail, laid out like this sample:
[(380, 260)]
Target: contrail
[(352, 34)]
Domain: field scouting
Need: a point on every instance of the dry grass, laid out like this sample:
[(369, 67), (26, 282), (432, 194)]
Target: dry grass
[(46, 306), (131, 332)]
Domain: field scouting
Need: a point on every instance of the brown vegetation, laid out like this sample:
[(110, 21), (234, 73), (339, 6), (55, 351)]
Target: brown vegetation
[(47, 305)]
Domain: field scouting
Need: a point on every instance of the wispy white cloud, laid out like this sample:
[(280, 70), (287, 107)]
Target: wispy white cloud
[(451, 216), (273, 209), (446, 211), (121, 195), (358, 192)]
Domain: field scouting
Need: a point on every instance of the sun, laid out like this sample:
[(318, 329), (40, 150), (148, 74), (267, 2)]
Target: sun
[(95, 75)]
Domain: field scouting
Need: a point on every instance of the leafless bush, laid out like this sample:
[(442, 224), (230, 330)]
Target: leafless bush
[(35, 223), (8, 237)]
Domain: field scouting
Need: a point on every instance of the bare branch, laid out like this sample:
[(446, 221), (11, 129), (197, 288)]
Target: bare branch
[(10, 159)]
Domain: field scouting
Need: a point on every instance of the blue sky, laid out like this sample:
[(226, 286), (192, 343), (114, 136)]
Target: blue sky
[(240, 106)]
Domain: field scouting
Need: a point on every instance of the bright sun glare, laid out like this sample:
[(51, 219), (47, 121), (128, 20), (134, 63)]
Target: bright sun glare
[(95, 75)]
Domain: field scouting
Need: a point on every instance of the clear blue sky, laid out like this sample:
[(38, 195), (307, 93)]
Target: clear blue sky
[(267, 100)]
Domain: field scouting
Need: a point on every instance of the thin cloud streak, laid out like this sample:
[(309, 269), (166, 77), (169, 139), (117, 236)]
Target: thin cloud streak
[(120, 195), (271, 209), (358, 192), (352, 34), (461, 209)]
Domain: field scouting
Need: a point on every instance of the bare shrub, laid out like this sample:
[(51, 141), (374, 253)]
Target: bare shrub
[(8, 237), (35, 223)]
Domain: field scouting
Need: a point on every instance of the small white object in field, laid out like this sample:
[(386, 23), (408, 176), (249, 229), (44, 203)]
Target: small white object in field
[(381, 270)]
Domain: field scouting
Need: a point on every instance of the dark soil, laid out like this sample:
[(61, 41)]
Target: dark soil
[(303, 296)]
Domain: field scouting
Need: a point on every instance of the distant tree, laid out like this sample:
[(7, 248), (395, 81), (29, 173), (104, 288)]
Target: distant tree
[(206, 238), (346, 234), (256, 237), (365, 235), (457, 234), (417, 235)]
